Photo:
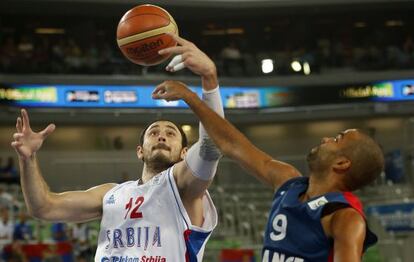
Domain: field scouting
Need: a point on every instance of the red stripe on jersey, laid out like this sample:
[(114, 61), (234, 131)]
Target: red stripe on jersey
[(354, 202), (331, 255), (187, 238), (187, 234), (357, 205)]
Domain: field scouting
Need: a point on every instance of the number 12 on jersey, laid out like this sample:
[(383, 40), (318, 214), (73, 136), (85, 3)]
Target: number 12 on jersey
[(134, 214)]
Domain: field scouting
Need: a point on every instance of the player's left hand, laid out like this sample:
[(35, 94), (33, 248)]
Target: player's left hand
[(171, 91), (188, 55)]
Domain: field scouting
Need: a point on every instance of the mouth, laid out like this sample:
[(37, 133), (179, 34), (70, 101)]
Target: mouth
[(161, 146)]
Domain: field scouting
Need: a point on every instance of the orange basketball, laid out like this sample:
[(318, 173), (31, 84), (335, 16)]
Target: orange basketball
[(141, 34)]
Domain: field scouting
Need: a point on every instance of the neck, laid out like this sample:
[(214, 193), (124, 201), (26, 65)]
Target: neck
[(150, 171), (320, 185)]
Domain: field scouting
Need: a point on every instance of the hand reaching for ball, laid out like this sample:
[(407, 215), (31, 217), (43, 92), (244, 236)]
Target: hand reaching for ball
[(25, 141), (188, 55)]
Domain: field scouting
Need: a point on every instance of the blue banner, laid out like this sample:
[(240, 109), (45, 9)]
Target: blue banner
[(122, 96), (394, 217)]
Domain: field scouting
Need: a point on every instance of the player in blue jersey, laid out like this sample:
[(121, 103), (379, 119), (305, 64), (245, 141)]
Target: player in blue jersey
[(314, 218)]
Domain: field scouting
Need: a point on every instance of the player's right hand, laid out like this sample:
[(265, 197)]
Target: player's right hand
[(171, 91), (187, 55), (26, 142)]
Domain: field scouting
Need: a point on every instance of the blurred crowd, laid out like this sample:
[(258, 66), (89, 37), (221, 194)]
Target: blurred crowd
[(8, 171), (24, 239), (352, 46)]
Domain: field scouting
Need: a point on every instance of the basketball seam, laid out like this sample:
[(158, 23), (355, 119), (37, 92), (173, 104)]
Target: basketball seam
[(166, 18), (132, 38)]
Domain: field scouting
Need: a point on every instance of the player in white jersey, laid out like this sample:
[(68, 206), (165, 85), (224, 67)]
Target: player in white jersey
[(165, 216)]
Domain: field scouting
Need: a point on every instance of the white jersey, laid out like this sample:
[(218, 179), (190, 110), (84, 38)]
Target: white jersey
[(148, 223)]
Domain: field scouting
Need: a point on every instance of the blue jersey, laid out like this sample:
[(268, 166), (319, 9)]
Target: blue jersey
[(294, 232)]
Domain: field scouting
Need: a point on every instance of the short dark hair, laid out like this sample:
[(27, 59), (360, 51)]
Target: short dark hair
[(184, 141), (367, 162)]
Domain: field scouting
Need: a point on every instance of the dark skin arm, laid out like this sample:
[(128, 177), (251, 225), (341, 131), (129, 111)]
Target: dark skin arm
[(347, 228), (231, 142)]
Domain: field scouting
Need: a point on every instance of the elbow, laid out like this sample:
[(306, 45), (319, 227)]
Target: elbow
[(38, 213)]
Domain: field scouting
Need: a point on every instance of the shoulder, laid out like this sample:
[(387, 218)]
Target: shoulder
[(289, 183), (101, 190), (281, 172)]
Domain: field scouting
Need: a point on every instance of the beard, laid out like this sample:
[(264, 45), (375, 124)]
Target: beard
[(313, 154), (160, 160), (315, 160)]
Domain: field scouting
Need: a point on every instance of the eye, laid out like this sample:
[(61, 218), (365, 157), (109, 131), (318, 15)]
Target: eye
[(170, 133), (153, 133), (337, 138)]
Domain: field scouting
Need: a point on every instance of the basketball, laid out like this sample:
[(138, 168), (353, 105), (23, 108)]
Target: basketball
[(141, 33)]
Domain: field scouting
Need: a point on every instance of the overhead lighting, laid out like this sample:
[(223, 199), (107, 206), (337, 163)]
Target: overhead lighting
[(214, 32), (267, 66), (186, 128), (228, 31), (306, 68), (392, 23), (296, 66), (360, 24), (235, 31), (50, 31)]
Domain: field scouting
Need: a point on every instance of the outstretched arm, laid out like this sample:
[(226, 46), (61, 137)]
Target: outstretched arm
[(194, 175), (41, 203), (230, 141)]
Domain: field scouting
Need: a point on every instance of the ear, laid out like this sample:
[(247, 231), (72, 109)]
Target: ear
[(140, 152), (183, 152), (341, 165)]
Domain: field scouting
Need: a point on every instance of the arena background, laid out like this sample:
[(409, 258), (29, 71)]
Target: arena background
[(323, 66)]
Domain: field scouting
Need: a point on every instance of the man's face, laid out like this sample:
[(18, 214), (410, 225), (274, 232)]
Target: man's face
[(322, 156), (162, 144), (4, 214)]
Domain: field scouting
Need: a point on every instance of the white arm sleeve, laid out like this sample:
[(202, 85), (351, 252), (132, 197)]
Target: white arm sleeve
[(203, 157)]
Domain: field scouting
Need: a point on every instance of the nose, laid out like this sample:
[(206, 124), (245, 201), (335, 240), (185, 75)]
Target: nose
[(161, 138)]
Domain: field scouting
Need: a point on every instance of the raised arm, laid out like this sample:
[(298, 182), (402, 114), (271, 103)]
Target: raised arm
[(40, 201), (228, 139), (194, 175)]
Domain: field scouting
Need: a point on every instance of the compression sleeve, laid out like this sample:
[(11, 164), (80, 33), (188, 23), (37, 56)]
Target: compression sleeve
[(203, 157)]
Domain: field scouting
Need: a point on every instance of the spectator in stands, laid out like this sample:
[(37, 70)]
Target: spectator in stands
[(80, 241), (232, 58), (60, 235), (22, 230), (10, 169), (9, 173), (8, 55), (6, 229), (59, 232), (6, 199)]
